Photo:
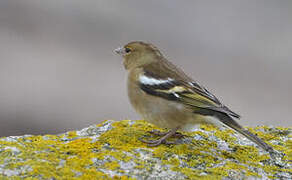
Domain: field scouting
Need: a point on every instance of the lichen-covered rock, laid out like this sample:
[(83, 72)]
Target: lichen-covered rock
[(112, 150)]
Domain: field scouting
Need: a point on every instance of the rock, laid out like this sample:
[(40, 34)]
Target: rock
[(112, 150)]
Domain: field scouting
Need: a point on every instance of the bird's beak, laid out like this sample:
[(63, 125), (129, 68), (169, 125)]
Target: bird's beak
[(120, 51)]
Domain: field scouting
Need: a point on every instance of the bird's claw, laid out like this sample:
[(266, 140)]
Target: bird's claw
[(159, 133)]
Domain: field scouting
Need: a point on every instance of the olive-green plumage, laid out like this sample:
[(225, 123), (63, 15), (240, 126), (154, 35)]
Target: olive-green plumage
[(165, 96)]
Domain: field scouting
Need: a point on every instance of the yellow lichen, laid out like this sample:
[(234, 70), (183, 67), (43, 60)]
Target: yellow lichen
[(112, 165), (50, 156)]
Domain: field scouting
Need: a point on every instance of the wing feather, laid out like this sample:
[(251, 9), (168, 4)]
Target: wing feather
[(189, 93)]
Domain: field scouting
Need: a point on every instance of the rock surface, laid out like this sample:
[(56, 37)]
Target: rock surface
[(112, 150)]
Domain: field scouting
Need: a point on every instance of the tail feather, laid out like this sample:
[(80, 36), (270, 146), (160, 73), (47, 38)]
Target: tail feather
[(228, 121)]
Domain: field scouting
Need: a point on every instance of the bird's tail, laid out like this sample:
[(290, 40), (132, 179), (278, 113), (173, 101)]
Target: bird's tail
[(230, 122)]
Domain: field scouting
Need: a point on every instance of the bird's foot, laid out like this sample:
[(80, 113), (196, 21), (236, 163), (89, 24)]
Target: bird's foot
[(159, 133), (153, 143), (162, 140)]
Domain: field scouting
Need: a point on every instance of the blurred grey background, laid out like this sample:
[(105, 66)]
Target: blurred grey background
[(58, 71)]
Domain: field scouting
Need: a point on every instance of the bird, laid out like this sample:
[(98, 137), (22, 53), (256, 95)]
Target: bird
[(165, 96)]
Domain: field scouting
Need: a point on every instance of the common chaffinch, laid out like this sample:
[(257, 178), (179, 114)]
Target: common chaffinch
[(165, 96)]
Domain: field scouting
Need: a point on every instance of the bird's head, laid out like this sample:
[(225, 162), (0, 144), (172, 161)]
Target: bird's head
[(137, 54)]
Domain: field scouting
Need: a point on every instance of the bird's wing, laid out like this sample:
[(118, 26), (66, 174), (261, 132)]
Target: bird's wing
[(201, 94), (174, 87)]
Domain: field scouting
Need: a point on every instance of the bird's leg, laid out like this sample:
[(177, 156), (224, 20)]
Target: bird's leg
[(162, 140), (159, 133)]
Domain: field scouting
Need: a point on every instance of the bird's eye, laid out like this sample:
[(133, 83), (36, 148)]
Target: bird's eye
[(128, 50)]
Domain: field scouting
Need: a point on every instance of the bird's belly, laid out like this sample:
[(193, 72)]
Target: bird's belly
[(163, 115)]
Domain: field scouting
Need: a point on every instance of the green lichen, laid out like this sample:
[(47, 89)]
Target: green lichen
[(71, 156)]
